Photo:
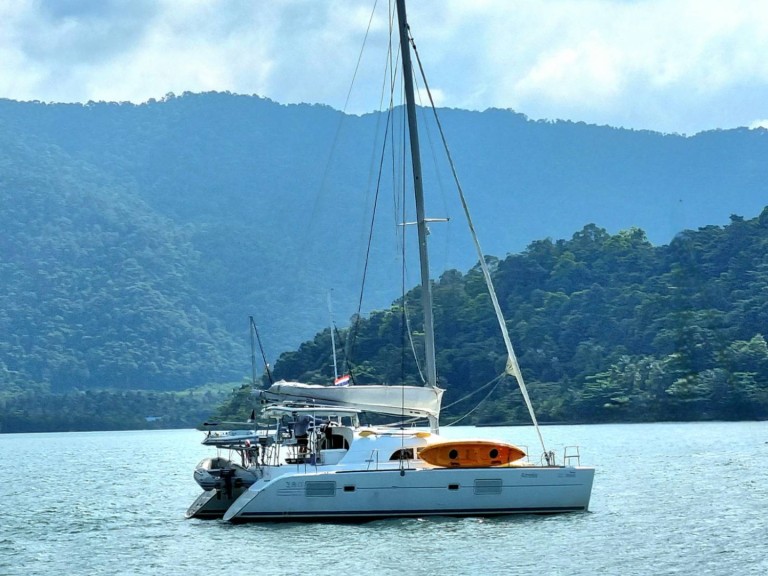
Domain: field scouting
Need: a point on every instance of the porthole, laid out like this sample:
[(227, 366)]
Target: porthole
[(453, 454)]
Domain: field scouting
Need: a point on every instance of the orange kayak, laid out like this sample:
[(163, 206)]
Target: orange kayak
[(470, 454)]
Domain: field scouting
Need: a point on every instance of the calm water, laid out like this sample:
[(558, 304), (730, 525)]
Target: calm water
[(668, 499)]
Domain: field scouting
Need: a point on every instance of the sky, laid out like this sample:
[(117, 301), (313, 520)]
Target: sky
[(674, 66)]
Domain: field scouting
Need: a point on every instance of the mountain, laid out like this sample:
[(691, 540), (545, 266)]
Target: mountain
[(606, 328), (97, 288), (139, 238)]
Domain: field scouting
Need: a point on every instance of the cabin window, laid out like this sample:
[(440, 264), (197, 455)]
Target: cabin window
[(402, 454), (334, 442), (349, 488), (338, 442), (453, 486)]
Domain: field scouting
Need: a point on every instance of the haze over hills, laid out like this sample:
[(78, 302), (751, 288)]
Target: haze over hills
[(173, 221)]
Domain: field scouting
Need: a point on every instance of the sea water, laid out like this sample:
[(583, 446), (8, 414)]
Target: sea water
[(668, 499)]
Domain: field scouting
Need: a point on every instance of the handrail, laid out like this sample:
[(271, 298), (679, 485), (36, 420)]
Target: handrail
[(374, 458), (573, 455)]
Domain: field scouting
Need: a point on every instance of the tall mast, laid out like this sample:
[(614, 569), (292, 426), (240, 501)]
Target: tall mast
[(421, 224)]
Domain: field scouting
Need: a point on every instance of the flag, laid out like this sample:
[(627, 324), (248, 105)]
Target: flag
[(341, 380)]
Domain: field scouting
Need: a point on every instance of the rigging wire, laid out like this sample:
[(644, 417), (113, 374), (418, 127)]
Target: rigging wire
[(354, 329), (400, 210), (360, 57), (412, 343), (369, 245), (495, 380), (495, 383), (323, 186), (399, 206), (513, 367)]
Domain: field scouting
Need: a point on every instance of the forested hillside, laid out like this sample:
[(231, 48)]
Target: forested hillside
[(137, 239), (606, 328), (97, 290), (274, 200)]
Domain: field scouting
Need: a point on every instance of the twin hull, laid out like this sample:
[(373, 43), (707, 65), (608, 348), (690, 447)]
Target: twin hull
[(365, 495)]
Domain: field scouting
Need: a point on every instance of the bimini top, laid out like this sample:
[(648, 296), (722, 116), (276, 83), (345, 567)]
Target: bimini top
[(411, 401)]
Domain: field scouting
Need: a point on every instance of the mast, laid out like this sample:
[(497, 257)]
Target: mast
[(421, 223)]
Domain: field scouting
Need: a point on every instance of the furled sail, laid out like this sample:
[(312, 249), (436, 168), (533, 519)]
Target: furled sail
[(410, 401)]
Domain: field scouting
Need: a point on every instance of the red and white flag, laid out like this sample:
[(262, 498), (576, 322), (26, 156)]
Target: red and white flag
[(341, 380)]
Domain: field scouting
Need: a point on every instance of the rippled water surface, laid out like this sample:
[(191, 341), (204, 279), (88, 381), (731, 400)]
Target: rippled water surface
[(667, 499)]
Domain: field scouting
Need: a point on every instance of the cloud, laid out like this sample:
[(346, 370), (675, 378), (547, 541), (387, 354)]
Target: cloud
[(670, 65)]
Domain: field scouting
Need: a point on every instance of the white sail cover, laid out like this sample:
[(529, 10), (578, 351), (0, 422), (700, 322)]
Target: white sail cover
[(412, 401)]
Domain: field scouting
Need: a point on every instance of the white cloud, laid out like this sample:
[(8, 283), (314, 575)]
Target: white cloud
[(671, 65)]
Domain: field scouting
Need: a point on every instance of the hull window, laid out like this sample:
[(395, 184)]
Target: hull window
[(315, 489), (488, 486)]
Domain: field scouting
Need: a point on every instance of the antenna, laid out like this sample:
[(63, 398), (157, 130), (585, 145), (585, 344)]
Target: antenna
[(255, 332)]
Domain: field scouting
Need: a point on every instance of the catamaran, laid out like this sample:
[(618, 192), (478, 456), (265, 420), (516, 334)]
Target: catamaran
[(344, 470)]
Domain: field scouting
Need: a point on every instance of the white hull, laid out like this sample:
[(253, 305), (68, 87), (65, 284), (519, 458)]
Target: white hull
[(365, 495), (212, 504)]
